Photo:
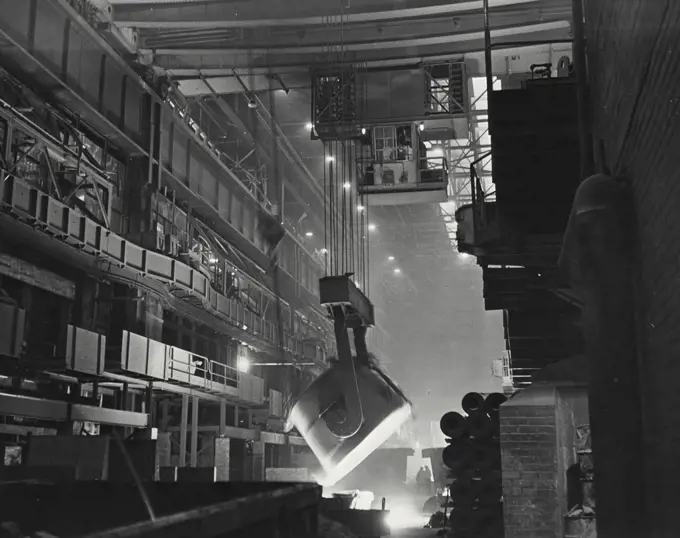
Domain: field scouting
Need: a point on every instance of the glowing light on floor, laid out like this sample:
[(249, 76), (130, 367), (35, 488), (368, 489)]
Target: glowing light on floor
[(333, 473), (405, 517)]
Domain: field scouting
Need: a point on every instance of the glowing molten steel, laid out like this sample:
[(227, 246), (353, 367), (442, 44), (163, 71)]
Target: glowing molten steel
[(344, 416)]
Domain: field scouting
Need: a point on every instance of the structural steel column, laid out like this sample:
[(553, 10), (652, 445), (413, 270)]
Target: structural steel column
[(183, 431), (223, 418), (258, 461), (194, 432)]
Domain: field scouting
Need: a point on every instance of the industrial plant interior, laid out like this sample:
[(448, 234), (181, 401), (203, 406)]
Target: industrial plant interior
[(339, 268)]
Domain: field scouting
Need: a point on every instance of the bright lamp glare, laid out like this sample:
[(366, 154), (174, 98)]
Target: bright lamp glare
[(397, 271), (360, 208), (330, 159), (404, 517), (421, 127), (347, 185), (243, 364), (363, 130), (309, 126), (309, 234), (371, 227)]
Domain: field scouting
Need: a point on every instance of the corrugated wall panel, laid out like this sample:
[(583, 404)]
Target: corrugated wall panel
[(210, 188), (167, 128), (224, 201), (195, 171), (236, 212), (179, 154), (133, 108), (112, 93), (49, 29)]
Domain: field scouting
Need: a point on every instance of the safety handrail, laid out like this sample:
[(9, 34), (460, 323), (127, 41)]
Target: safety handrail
[(208, 370), (434, 163), (103, 239)]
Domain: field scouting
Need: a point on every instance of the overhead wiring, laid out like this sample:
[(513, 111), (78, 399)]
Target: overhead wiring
[(344, 214)]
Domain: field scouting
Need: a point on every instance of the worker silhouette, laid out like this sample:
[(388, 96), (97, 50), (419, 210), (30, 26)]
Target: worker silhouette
[(424, 480)]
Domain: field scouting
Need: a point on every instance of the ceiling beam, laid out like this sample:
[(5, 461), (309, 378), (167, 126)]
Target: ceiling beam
[(283, 59), (364, 34), (249, 13), (301, 72), (229, 84), (474, 30)]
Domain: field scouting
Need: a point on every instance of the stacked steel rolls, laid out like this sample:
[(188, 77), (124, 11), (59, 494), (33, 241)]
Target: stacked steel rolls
[(473, 456)]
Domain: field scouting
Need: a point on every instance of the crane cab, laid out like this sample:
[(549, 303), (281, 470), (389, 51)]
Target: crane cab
[(398, 165)]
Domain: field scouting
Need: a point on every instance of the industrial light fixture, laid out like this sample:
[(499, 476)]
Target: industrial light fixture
[(309, 234), (421, 127), (360, 208), (397, 270), (390, 258), (309, 126), (371, 227), (213, 260), (347, 185), (252, 103), (324, 251), (278, 79), (363, 130), (330, 159)]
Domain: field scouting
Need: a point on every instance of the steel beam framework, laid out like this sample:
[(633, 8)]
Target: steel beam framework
[(243, 14)]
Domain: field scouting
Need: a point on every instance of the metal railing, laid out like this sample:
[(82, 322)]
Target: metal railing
[(427, 170), (189, 367), (70, 226)]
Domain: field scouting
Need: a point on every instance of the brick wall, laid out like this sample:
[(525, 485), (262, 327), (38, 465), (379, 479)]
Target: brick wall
[(634, 68), (531, 472)]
